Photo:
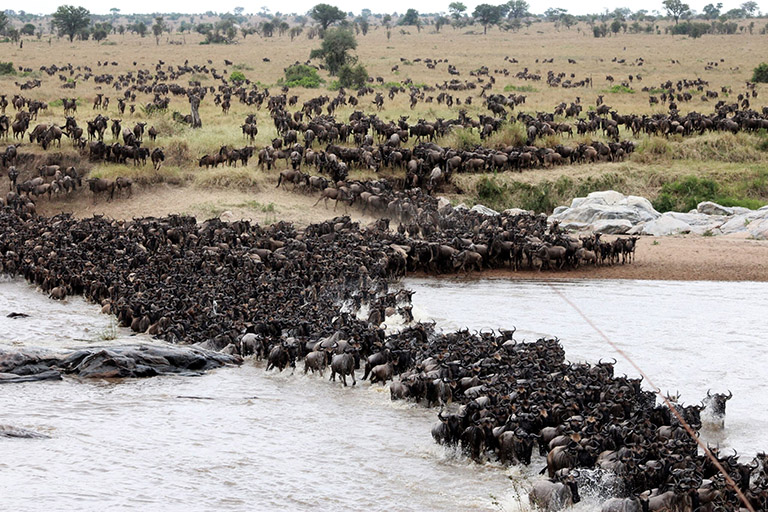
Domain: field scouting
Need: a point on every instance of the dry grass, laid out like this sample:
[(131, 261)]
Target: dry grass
[(659, 160)]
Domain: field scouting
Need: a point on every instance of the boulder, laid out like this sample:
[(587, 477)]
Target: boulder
[(442, 202), (484, 210), (515, 211), (612, 227), (710, 208), (134, 361), (665, 225), (607, 197), (22, 433)]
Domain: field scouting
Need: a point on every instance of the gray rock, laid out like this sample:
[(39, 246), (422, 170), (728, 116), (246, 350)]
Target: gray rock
[(608, 197), (22, 433), (612, 227), (665, 225), (442, 202), (484, 210), (710, 208), (109, 362)]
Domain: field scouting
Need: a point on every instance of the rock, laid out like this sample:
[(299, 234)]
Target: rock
[(484, 210), (23, 433), (516, 211), (109, 362), (12, 378), (461, 206), (641, 203), (710, 208), (665, 225), (607, 197), (612, 226), (558, 210), (442, 202)]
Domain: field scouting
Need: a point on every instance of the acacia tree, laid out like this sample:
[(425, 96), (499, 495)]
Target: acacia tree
[(749, 8), (711, 11), (334, 49), (70, 20), (487, 14), (518, 8), (158, 28), (411, 17), (676, 8), (457, 9), (326, 15)]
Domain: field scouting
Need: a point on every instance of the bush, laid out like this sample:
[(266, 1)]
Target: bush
[(237, 76), (353, 76), (6, 68), (301, 75), (760, 73)]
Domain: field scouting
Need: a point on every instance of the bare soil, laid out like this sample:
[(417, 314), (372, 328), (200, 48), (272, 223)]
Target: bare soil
[(674, 258), (264, 206)]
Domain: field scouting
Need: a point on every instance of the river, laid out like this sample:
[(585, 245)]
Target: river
[(242, 438)]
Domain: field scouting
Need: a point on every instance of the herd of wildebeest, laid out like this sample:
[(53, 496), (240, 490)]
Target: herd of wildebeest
[(324, 293)]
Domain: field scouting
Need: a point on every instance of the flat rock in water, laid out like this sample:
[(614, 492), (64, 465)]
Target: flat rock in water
[(10, 431), (12, 378), (134, 361)]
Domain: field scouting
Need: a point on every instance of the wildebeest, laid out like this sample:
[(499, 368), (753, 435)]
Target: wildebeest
[(551, 496), (99, 185), (343, 364)]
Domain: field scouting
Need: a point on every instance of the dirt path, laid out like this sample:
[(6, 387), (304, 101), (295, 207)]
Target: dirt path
[(265, 206)]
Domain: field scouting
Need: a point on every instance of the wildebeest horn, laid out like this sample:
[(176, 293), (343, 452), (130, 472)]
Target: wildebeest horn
[(730, 395), (708, 394)]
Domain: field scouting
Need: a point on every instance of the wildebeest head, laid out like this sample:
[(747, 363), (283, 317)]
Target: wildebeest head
[(716, 402)]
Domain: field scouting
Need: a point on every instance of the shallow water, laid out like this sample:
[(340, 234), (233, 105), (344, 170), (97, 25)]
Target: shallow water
[(233, 439), (686, 336), (241, 438)]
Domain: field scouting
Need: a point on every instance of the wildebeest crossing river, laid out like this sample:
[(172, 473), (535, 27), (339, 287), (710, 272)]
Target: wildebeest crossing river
[(241, 437)]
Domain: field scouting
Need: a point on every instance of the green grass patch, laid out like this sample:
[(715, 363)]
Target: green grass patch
[(686, 193), (619, 89), (520, 88), (544, 196), (59, 102)]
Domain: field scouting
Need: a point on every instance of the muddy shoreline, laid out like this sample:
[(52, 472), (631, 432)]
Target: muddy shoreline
[(670, 258)]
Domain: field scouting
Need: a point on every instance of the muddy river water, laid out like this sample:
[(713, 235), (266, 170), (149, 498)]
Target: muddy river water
[(244, 439)]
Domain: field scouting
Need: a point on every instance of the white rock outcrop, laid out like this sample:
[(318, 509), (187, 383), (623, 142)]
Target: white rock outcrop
[(612, 212)]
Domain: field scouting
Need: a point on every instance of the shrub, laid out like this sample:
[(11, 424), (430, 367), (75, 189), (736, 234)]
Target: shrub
[(237, 76), (6, 68), (301, 75), (353, 76), (760, 73)]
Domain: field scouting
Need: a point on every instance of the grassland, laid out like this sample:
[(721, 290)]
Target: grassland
[(738, 165)]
